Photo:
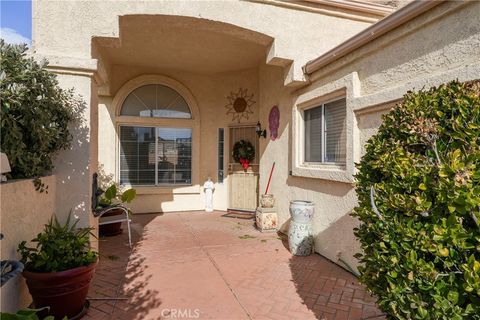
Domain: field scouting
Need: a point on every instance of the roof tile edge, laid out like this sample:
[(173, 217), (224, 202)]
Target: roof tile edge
[(362, 6), (390, 22)]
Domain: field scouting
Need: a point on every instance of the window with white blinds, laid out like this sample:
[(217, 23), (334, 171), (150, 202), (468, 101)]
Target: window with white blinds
[(155, 156), (221, 143), (156, 101), (325, 133)]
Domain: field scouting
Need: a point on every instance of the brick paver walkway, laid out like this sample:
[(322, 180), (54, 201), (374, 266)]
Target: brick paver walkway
[(193, 265)]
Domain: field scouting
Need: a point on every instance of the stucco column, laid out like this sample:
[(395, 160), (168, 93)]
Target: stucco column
[(74, 167)]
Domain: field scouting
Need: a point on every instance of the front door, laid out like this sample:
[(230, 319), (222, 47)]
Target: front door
[(243, 184)]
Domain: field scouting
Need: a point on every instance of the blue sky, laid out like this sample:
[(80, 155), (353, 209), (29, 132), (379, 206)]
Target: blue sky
[(16, 21)]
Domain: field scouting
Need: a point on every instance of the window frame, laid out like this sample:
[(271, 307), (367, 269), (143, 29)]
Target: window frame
[(323, 134), (193, 123), (312, 97), (156, 185), (221, 154), (156, 97)]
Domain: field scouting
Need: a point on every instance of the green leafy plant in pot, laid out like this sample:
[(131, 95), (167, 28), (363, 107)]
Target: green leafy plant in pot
[(26, 314), (111, 196), (59, 268)]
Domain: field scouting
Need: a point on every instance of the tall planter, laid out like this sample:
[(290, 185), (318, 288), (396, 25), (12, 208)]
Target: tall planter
[(300, 235), (64, 292)]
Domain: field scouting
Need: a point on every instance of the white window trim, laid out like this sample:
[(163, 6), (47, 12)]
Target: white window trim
[(347, 88)]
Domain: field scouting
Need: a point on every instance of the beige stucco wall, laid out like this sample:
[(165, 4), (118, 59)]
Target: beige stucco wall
[(439, 46), (74, 167), (67, 30), (63, 34), (23, 213)]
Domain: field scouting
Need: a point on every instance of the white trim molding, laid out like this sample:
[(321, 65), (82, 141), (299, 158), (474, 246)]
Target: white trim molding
[(360, 6), (358, 10)]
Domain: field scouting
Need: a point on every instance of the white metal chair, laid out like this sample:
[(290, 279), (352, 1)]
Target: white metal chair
[(99, 211)]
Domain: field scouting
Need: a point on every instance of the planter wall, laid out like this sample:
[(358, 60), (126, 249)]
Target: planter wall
[(24, 211)]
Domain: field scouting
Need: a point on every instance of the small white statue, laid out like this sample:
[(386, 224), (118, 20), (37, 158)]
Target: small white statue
[(4, 167), (208, 188)]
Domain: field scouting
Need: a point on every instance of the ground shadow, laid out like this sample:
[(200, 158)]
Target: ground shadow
[(328, 287), (116, 290)]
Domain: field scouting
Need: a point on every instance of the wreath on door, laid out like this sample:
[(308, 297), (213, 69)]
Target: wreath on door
[(244, 153)]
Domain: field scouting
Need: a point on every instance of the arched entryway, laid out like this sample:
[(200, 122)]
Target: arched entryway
[(167, 108)]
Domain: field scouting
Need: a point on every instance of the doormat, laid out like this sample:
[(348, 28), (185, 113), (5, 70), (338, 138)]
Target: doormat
[(239, 214)]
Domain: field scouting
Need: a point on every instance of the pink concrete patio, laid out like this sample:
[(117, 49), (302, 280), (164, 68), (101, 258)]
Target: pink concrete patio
[(199, 265)]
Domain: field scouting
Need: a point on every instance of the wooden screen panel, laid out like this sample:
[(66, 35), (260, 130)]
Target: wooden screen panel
[(243, 185), (243, 191)]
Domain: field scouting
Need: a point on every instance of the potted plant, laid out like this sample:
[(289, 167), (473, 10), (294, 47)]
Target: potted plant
[(25, 314), (111, 196), (59, 268)]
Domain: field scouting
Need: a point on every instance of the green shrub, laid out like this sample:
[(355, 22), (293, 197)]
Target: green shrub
[(35, 113), (113, 194), (58, 248), (419, 203)]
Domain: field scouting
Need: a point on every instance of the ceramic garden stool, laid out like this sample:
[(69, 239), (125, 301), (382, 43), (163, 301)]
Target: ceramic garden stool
[(300, 235)]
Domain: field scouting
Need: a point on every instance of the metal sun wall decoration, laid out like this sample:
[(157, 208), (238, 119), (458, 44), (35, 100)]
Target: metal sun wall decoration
[(240, 105)]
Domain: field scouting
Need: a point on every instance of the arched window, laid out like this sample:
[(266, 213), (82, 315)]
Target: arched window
[(155, 155), (155, 101)]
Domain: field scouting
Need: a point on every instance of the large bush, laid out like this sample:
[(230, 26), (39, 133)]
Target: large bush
[(419, 203), (35, 113)]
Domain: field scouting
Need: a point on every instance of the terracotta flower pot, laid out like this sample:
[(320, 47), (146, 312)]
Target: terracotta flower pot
[(64, 292), (111, 229)]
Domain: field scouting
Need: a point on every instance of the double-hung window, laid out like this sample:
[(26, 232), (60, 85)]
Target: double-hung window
[(325, 133)]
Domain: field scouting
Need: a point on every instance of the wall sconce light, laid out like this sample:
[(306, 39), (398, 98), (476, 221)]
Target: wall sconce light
[(259, 131)]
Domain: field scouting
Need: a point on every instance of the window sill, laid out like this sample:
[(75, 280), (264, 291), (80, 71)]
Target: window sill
[(323, 166), (330, 172), (153, 190)]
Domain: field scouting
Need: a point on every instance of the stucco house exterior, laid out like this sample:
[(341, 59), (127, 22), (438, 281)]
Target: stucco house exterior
[(193, 59), (160, 80)]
